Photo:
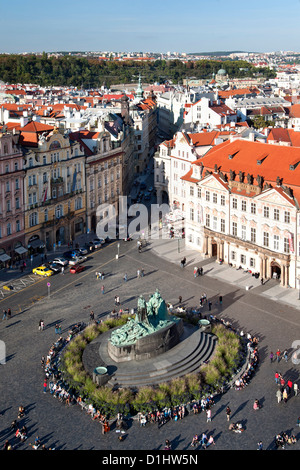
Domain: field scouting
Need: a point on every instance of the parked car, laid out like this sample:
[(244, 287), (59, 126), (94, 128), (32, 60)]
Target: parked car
[(62, 261), (82, 250), (78, 268), (147, 196), (98, 242), (55, 267), (78, 260), (42, 271), (143, 185)]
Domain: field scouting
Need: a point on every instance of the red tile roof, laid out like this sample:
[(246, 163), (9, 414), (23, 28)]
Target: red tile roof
[(256, 158)]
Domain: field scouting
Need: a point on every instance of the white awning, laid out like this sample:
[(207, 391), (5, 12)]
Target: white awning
[(4, 257), (20, 250)]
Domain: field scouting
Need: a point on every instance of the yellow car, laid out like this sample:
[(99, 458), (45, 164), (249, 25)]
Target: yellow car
[(43, 271)]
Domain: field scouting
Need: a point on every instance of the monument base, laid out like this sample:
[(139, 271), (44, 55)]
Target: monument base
[(148, 346)]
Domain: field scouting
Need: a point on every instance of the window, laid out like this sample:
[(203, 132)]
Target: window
[(244, 206), (234, 229), (266, 212), (253, 208), (8, 206), (46, 215), (207, 220), (59, 211), (215, 198), (243, 259), (276, 242), (17, 203), (18, 226), (191, 213), (78, 203), (287, 217), (207, 196), (244, 231), (253, 235), (8, 229), (7, 186), (276, 214), (286, 245), (33, 219), (222, 200), (252, 262), (233, 255), (266, 239), (17, 183), (16, 166), (199, 192), (30, 162), (191, 191), (44, 160), (223, 225), (44, 177), (215, 223), (234, 203)]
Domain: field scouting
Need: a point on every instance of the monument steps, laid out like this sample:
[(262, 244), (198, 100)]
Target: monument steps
[(185, 358)]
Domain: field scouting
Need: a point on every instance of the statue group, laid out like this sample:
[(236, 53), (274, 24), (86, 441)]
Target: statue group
[(150, 317)]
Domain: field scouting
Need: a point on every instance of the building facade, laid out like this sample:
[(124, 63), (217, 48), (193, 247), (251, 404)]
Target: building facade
[(12, 234), (54, 192), (242, 207)]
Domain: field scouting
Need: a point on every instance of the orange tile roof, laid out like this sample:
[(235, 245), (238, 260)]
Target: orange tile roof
[(256, 158)]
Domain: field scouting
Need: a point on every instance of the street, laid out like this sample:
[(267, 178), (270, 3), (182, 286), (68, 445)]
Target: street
[(73, 296)]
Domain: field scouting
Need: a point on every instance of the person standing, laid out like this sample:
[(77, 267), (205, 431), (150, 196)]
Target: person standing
[(102, 289), (208, 415), (271, 357), (45, 386), (125, 277), (4, 315), (228, 413), (63, 270)]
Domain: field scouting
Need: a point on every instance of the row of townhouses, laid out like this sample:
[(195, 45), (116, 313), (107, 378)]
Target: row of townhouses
[(60, 161)]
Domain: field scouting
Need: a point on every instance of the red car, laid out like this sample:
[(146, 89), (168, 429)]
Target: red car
[(77, 269)]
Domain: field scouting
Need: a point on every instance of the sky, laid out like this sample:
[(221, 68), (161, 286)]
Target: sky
[(149, 26)]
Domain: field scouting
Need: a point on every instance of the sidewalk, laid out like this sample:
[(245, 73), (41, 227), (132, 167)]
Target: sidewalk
[(174, 250)]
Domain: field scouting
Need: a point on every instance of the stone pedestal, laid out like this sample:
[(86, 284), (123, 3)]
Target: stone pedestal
[(148, 346)]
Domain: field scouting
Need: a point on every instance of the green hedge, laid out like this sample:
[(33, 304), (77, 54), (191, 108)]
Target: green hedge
[(179, 390)]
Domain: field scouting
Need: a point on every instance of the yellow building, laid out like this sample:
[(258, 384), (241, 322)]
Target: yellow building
[(54, 189)]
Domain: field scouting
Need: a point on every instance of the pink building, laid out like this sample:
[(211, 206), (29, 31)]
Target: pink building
[(11, 200)]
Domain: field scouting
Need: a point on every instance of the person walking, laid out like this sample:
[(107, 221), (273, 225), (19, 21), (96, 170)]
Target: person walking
[(284, 395), (208, 415), (271, 357), (278, 354), (277, 377), (209, 305), (279, 396), (63, 270), (228, 413), (4, 317), (295, 389), (8, 313), (102, 289), (285, 355), (125, 277), (45, 386)]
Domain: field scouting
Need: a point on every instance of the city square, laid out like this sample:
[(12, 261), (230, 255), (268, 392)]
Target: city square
[(70, 301)]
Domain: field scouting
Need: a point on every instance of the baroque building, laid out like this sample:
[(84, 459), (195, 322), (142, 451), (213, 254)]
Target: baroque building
[(54, 190)]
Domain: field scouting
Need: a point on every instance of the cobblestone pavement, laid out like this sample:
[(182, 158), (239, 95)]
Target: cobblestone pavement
[(73, 296)]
